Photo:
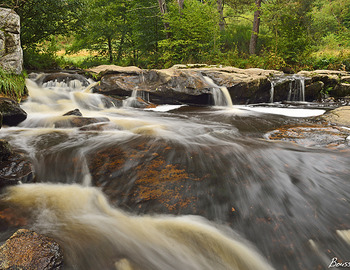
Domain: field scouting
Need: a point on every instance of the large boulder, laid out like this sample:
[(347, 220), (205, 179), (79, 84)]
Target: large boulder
[(27, 249), (180, 84), (12, 113), (11, 54)]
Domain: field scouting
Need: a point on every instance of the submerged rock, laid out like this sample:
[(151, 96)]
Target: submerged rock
[(311, 136), (29, 250), (78, 121), (12, 113)]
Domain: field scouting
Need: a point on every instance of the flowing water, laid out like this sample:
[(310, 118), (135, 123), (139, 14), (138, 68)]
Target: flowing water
[(178, 187), (296, 85)]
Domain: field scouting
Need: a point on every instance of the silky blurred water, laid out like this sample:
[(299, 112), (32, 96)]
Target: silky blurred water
[(179, 187)]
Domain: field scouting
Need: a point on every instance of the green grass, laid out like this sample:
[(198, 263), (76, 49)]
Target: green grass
[(12, 85)]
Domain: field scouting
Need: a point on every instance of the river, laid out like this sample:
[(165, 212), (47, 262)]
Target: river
[(179, 187)]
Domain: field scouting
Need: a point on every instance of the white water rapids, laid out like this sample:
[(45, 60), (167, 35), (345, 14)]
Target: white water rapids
[(95, 235), (275, 195)]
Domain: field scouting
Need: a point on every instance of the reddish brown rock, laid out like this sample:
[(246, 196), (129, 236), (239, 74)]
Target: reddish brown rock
[(28, 250)]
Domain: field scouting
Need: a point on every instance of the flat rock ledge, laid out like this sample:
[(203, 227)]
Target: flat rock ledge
[(184, 85), (189, 84), (339, 116), (29, 250)]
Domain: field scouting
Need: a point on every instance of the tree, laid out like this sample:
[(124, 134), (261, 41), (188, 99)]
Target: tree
[(105, 28), (288, 23), (193, 32), (163, 12), (256, 25), (147, 30), (41, 19), (220, 4)]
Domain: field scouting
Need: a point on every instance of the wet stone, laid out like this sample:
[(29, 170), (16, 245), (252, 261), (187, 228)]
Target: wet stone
[(12, 113), (312, 136), (32, 251), (78, 121), (5, 150), (75, 112), (16, 169)]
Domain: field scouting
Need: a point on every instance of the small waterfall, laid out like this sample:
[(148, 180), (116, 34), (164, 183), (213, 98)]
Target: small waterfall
[(220, 94), (296, 87), (73, 85), (130, 102), (272, 91)]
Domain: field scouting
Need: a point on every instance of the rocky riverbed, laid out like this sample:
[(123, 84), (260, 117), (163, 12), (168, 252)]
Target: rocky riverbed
[(161, 186)]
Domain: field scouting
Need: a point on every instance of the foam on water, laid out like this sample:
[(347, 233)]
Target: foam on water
[(95, 235)]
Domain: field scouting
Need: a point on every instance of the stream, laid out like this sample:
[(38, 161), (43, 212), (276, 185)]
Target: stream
[(177, 186)]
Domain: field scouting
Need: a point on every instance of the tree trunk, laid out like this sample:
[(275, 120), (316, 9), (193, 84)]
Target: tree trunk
[(255, 32), (110, 50), (221, 12), (163, 11), (181, 4)]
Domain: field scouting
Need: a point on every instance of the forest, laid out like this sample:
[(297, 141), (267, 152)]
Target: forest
[(288, 35)]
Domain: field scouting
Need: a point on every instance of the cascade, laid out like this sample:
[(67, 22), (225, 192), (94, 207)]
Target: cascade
[(221, 95), (296, 87), (129, 102), (127, 193)]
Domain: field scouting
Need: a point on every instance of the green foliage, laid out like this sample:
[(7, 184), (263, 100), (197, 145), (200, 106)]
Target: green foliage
[(42, 19), (236, 37), (293, 33), (193, 31), (12, 85), (287, 22)]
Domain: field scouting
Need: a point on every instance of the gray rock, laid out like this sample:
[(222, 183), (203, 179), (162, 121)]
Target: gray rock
[(341, 90), (339, 116), (78, 121), (10, 44), (186, 85), (75, 112), (11, 111), (313, 90)]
